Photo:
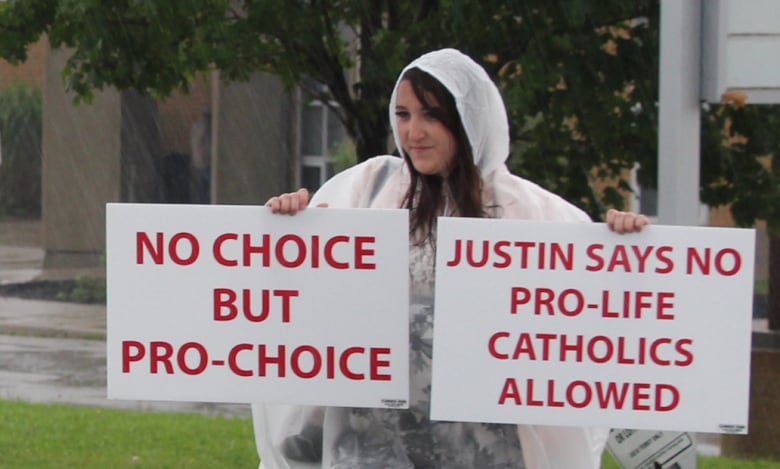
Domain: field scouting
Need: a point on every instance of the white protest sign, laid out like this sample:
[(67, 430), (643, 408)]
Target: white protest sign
[(236, 304), (569, 324)]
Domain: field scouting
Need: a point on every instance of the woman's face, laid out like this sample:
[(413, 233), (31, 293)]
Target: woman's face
[(428, 143)]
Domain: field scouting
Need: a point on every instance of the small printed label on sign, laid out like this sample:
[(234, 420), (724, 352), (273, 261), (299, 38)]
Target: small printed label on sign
[(394, 403)]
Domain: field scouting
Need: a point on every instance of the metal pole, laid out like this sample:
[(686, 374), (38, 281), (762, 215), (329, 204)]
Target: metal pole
[(679, 113)]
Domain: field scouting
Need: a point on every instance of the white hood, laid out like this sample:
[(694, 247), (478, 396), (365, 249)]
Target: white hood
[(478, 100)]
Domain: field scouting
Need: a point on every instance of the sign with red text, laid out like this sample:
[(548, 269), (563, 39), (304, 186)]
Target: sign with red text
[(236, 304), (569, 324)]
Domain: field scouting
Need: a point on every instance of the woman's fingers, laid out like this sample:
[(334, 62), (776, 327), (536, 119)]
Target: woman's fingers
[(289, 203), (626, 222)]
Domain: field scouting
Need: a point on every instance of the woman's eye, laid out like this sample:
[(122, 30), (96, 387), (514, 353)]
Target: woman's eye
[(429, 116), (402, 114)]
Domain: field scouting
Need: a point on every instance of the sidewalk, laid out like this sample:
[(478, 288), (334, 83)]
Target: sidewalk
[(21, 260)]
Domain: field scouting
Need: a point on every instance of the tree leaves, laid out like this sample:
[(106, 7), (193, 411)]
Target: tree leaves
[(579, 77)]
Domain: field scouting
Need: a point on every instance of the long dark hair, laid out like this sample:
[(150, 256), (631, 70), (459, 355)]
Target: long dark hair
[(425, 197)]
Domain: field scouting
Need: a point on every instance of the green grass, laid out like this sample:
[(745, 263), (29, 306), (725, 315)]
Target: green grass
[(62, 436)]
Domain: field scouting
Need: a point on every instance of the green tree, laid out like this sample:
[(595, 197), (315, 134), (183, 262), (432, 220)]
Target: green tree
[(572, 100), (157, 46), (581, 96), (579, 77)]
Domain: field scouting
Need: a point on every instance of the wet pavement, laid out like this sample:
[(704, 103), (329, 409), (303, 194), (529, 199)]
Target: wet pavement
[(73, 371)]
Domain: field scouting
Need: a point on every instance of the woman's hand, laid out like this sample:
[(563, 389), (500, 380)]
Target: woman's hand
[(625, 222), (289, 203)]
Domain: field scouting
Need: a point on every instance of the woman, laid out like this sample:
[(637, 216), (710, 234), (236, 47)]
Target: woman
[(450, 125)]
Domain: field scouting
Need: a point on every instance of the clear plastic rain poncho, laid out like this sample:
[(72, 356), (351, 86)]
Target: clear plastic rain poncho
[(295, 437)]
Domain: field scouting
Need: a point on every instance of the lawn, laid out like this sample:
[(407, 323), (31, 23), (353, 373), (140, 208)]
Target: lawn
[(66, 436), (63, 436)]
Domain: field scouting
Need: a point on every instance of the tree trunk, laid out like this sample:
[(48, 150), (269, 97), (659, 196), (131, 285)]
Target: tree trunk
[(368, 146), (774, 281)]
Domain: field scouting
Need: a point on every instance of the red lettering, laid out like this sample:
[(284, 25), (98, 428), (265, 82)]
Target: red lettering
[(500, 250), (216, 249), (608, 395), (563, 303), (132, 351), (344, 363), (329, 245), (510, 391), (736, 262), (576, 347), (619, 259), (664, 304), (376, 363), (155, 250), (641, 256), (543, 297), (249, 249), (566, 258), (278, 360), (520, 296), (587, 394), (363, 249), (173, 249), (673, 402), (593, 352), (551, 402), (611, 394), (524, 346), (315, 358), (623, 359), (224, 298), (492, 345), (233, 359), (681, 348), (143, 243), (641, 303), (201, 354), (472, 261), (593, 253), (662, 255), (160, 352), (300, 249), (641, 394), (654, 351), (529, 394)]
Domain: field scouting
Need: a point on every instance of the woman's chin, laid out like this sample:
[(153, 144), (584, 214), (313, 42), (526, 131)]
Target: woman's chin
[(426, 169)]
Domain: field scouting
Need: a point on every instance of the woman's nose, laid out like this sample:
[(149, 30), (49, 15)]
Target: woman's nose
[(416, 129)]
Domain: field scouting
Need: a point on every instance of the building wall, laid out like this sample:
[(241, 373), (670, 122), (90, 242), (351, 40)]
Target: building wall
[(81, 168), (179, 112), (253, 141), (30, 71)]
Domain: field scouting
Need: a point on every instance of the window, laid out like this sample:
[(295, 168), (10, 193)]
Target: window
[(320, 129)]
